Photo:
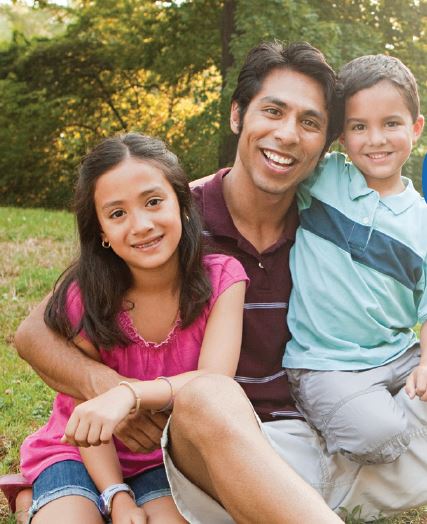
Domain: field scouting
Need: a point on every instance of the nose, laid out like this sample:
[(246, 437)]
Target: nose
[(141, 222), (287, 130), (376, 136)]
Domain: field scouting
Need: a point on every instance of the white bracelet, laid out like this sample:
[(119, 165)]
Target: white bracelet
[(169, 403), (135, 409)]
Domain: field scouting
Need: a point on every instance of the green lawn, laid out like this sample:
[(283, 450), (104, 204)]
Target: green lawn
[(35, 246)]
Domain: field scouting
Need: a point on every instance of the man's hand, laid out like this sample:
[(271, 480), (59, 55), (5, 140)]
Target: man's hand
[(141, 432), (416, 383)]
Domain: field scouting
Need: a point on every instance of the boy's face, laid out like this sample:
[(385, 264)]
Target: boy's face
[(379, 134)]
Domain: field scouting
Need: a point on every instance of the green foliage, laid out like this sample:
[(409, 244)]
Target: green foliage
[(70, 76)]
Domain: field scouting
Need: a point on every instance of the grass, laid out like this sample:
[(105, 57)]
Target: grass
[(35, 246)]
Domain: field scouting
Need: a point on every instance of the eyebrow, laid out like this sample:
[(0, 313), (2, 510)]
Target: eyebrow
[(149, 191), (280, 103), (363, 120)]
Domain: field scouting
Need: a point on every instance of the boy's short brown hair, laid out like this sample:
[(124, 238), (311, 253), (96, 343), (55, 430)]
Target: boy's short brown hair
[(366, 71)]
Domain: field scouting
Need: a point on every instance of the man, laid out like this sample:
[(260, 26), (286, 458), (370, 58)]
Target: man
[(281, 112)]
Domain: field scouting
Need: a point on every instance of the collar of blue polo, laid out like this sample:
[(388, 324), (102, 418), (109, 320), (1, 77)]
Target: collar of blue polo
[(396, 203)]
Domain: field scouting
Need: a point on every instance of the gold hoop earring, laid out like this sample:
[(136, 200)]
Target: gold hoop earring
[(105, 244)]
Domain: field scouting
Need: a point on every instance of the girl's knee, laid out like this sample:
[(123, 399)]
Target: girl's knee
[(163, 511)]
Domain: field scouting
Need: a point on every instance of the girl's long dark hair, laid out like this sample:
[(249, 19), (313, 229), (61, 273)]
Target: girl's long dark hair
[(102, 276)]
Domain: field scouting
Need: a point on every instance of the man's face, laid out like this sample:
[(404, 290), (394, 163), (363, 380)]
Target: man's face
[(284, 132)]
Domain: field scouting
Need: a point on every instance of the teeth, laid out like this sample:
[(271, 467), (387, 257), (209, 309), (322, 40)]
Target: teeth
[(278, 158), (148, 244), (376, 156)]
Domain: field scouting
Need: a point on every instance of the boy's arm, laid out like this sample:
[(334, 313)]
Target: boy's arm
[(103, 467), (416, 384)]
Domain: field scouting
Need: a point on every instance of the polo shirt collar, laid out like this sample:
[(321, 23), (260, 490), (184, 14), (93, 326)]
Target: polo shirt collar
[(396, 203), (218, 219), (216, 214)]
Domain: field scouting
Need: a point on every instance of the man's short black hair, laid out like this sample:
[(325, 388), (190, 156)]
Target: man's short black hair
[(298, 56)]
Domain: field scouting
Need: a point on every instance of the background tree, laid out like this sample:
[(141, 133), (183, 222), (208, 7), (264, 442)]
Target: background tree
[(165, 68)]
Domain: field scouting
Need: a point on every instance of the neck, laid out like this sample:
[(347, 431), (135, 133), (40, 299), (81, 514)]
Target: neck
[(386, 187), (259, 216), (160, 280)]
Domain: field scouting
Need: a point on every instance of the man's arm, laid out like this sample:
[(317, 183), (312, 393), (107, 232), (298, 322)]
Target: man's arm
[(60, 363), (67, 369)]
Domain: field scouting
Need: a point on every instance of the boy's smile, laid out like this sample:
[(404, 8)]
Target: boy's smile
[(379, 134)]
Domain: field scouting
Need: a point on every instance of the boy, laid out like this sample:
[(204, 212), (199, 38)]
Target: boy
[(361, 280)]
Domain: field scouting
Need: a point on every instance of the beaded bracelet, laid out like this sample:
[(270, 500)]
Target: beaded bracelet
[(135, 409)]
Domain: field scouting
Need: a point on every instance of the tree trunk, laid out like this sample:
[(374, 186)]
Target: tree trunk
[(228, 142)]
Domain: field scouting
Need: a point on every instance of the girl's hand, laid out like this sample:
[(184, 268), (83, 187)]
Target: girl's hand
[(416, 383), (125, 511), (93, 422)]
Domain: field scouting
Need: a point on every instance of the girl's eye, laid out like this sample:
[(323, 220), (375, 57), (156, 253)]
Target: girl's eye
[(117, 213), (153, 202), (358, 127)]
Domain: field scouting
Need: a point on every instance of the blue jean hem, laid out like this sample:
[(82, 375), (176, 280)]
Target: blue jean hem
[(153, 495), (55, 494)]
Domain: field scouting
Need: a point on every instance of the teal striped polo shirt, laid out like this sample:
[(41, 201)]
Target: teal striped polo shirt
[(358, 269)]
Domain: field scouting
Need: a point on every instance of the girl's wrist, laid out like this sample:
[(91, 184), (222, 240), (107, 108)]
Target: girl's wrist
[(130, 397), (122, 501)]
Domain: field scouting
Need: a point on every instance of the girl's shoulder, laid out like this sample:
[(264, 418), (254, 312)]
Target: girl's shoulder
[(223, 270)]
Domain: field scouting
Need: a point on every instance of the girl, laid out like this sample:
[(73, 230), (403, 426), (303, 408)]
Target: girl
[(142, 299)]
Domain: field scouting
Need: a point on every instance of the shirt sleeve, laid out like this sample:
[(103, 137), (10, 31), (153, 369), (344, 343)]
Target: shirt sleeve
[(422, 305), (224, 271)]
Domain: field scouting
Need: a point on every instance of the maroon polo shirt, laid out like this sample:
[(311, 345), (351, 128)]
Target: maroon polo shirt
[(265, 329)]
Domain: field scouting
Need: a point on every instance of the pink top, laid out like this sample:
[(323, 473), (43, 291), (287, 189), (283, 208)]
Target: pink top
[(142, 360)]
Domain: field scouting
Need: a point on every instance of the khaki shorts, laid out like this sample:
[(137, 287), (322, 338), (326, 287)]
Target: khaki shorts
[(383, 489)]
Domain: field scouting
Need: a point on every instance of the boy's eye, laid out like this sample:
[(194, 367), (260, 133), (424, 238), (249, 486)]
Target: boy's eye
[(154, 202), (117, 213), (392, 123)]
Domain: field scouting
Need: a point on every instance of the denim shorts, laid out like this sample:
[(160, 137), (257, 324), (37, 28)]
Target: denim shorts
[(70, 477)]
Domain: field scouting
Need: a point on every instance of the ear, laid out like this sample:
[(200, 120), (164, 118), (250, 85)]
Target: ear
[(417, 128), (341, 139), (235, 117)]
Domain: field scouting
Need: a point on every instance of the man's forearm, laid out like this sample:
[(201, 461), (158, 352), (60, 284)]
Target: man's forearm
[(59, 363)]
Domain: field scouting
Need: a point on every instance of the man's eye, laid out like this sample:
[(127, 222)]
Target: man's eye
[(310, 123), (272, 111)]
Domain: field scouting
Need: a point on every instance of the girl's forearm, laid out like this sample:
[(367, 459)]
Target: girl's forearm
[(102, 465), (157, 394)]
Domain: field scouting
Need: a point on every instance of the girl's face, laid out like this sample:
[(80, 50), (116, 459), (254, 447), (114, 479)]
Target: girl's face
[(139, 215)]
